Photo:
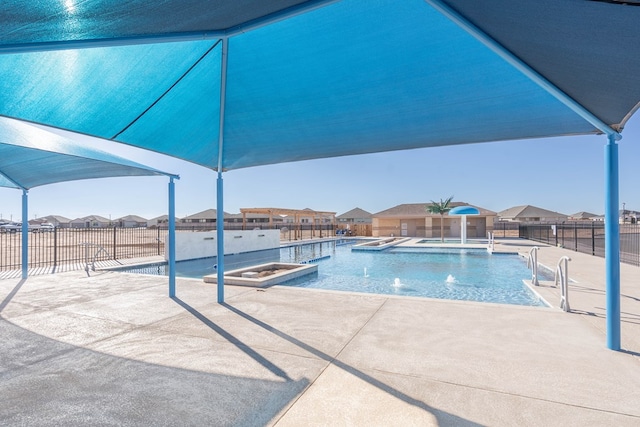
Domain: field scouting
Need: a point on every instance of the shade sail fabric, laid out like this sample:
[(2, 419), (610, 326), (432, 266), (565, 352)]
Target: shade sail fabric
[(31, 156), (589, 49), (349, 77), (28, 21)]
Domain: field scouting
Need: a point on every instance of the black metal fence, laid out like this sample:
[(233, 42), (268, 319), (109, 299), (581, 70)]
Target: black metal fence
[(585, 236), (79, 245), (72, 245), (60, 246)]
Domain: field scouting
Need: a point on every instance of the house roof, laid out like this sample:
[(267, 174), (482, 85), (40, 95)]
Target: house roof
[(250, 215), (355, 213), (583, 215), (96, 218), (528, 211), (419, 210), (135, 218), (286, 212), (55, 218), (206, 214)]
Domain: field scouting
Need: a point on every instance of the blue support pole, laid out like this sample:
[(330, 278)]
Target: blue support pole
[(172, 238), (612, 243), (220, 237), (612, 230), (219, 186), (25, 234)]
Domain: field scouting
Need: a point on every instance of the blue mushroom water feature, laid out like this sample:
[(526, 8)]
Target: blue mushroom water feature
[(463, 211)]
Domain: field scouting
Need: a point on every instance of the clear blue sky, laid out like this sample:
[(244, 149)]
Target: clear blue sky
[(561, 174)]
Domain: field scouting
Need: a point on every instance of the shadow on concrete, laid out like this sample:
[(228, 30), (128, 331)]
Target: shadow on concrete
[(47, 382), (11, 294), (444, 418), (233, 340), (625, 317)]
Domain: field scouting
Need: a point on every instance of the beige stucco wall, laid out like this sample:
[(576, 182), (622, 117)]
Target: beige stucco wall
[(489, 224), (383, 227), (429, 227)]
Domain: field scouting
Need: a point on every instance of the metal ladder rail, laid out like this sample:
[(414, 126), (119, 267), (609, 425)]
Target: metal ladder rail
[(532, 262), (491, 242), (87, 245), (562, 274)]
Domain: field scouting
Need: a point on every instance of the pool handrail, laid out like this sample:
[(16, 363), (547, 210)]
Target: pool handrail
[(532, 262), (92, 265), (562, 274)]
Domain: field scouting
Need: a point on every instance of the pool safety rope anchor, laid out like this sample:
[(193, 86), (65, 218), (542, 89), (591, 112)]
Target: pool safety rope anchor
[(315, 259)]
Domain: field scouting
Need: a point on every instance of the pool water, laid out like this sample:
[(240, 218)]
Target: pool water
[(455, 274)]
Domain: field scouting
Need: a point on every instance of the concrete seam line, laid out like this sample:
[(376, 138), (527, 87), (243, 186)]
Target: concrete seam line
[(329, 363), (506, 393)]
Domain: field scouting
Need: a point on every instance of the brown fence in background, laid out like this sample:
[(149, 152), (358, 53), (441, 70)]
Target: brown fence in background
[(506, 229)]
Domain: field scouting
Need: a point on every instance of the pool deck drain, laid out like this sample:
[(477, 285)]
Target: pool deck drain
[(114, 349)]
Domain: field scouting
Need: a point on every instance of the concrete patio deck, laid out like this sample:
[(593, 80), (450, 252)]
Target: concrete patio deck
[(114, 349)]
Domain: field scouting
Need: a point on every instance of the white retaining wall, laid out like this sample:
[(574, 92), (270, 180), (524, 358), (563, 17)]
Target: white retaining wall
[(191, 245)]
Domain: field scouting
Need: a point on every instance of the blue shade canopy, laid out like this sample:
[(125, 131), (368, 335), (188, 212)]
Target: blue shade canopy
[(31, 156), (464, 210), (311, 79)]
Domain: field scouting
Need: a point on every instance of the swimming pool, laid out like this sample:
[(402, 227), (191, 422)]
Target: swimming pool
[(456, 274)]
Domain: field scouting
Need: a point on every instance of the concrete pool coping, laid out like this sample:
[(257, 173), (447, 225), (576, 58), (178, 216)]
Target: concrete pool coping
[(113, 349), (249, 276)]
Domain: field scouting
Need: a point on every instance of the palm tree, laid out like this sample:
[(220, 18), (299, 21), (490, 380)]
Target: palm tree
[(440, 209)]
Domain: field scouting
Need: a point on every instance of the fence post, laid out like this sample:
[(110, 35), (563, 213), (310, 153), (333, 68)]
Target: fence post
[(556, 233), (55, 246), (114, 242), (158, 239), (593, 239), (575, 235)]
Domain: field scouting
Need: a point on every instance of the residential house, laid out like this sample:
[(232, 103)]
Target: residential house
[(627, 216), (253, 220), (354, 216), (159, 221), (58, 221), (310, 216), (357, 221), (205, 220), (91, 221), (583, 216), (528, 213), (131, 221)]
